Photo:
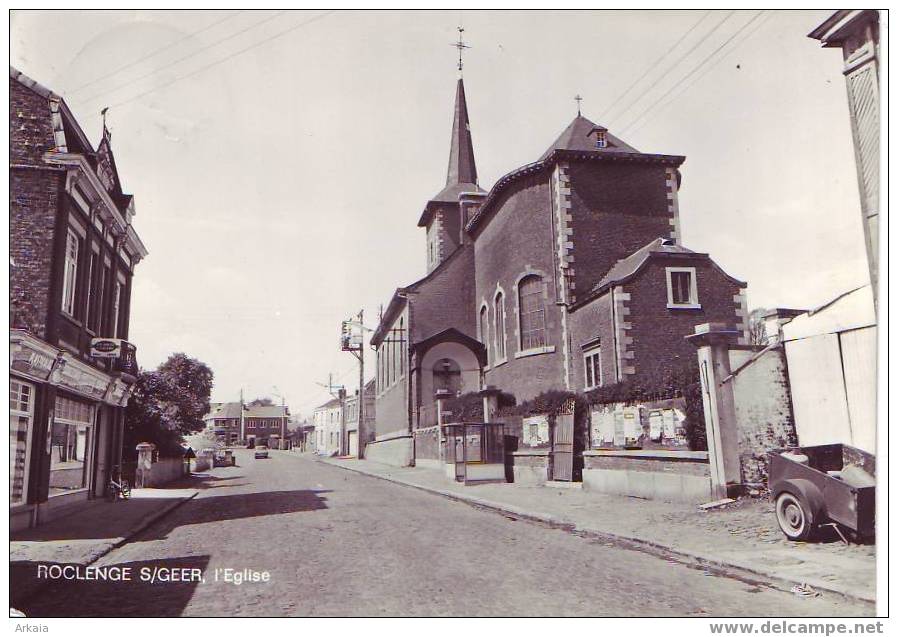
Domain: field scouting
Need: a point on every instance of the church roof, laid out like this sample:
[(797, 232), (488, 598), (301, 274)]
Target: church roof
[(576, 137), (461, 175)]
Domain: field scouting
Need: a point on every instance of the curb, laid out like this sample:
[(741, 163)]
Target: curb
[(143, 524), (636, 543)]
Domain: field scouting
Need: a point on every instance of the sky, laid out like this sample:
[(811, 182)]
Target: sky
[(280, 159)]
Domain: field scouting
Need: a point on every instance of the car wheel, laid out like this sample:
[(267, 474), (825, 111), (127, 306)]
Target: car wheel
[(794, 516)]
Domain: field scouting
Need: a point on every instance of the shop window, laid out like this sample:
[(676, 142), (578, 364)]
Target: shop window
[(21, 424), (70, 443)]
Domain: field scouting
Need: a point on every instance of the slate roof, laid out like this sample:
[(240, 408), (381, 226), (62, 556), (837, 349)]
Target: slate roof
[(266, 411), (577, 137), (628, 266), (333, 402), (461, 175), (224, 410)]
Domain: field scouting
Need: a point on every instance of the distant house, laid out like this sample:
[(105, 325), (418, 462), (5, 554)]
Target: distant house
[(253, 424), (329, 427), (352, 418)]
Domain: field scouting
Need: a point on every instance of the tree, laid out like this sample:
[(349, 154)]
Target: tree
[(757, 333), (166, 404), (261, 402)]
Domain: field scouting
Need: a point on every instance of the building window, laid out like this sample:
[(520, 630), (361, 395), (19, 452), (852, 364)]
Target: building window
[(70, 272), (401, 347), (21, 420), (94, 291), (70, 445), (682, 290), (116, 307), (499, 330), (532, 312), (601, 139), (592, 360), (485, 331)]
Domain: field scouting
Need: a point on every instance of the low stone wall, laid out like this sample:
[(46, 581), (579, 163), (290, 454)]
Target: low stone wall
[(165, 470), (530, 466), (675, 476), (427, 444), (394, 451)]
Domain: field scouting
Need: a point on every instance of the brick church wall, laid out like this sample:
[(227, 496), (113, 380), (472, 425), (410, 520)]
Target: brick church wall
[(517, 239), (616, 208)]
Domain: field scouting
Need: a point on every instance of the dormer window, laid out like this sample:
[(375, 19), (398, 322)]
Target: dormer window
[(601, 139)]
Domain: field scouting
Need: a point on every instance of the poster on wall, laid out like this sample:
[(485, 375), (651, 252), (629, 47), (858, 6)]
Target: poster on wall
[(602, 425), (536, 431)]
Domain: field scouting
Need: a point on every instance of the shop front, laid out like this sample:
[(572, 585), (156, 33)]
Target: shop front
[(66, 420)]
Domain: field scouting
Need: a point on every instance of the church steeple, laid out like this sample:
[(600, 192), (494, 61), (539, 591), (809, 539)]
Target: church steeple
[(462, 169)]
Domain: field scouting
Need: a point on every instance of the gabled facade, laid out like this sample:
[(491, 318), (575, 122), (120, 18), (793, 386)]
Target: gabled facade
[(568, 261), (73, 251), (329, 427)]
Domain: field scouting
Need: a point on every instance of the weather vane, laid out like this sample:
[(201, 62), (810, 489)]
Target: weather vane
[(578, 99), (461, 46)]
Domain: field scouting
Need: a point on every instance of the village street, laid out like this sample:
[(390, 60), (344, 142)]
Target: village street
[(339, 543)]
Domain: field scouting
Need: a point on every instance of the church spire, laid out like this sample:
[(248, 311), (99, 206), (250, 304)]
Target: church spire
[(462, 169)]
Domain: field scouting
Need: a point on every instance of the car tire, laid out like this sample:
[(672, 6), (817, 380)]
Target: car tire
[(795, 517)]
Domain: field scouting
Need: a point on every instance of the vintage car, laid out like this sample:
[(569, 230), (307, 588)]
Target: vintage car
[(261, 452)]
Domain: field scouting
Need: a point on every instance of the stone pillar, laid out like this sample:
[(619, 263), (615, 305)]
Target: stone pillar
[(713, 341), (490, 396), (144, 464)]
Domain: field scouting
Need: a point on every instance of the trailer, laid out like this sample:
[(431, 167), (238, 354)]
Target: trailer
[(822, 485)]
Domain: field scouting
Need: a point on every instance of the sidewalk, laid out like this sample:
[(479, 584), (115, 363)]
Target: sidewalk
[(84, 536), (743, 536)]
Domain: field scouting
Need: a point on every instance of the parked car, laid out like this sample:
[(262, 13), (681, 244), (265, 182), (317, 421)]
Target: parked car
[(261, 452)]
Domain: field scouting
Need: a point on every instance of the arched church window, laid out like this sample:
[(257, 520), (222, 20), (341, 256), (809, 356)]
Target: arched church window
[(499, 330), (532, 310), (485, 330)]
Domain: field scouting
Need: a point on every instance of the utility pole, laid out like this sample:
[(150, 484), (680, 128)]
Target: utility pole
[(361, 433), (242, 427)]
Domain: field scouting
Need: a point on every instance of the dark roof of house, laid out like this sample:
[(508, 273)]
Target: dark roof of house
[(266, 411), (223, 410), (629, 266), (577, 137)]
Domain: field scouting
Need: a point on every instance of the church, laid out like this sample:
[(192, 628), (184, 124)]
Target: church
[(567, 274)]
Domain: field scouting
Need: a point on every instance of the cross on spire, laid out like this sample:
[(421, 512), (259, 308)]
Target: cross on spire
[(461, 46), (578, 99)]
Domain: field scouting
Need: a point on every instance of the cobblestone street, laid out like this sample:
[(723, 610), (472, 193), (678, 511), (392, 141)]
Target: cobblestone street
[(339, 543)]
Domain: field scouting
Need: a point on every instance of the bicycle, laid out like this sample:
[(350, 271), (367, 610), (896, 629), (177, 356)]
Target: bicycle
[(116, 489)]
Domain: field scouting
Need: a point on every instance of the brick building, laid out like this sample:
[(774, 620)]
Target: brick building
[(73, 250), (235, 423), (567, 274)]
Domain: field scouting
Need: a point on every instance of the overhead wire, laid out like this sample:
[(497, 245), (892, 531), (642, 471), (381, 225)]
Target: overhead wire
[(225, 59), (183, 58), (720, 59), (694, 70), (153, 53), (653, 65), (679, 60)]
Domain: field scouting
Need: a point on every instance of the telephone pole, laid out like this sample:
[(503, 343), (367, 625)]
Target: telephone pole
[(361, 433)]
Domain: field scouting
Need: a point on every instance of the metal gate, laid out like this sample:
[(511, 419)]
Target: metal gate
[(563, 444)]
